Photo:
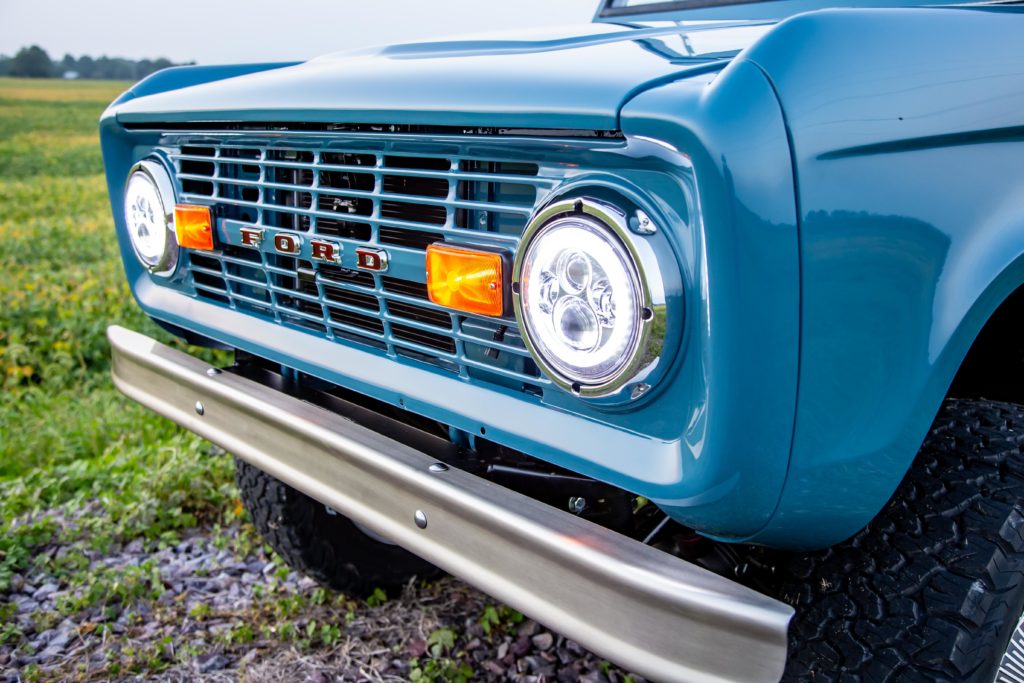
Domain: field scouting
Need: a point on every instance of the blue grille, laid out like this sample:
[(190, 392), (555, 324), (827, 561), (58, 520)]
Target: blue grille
[(400, 201)]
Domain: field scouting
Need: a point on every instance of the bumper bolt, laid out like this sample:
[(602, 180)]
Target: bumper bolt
[(212, 372), (438, 467), (199, 408), (421, 519), (577, 504)]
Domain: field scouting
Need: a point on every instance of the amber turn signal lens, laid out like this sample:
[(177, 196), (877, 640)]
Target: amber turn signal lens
[(194, 227), (465, 279)]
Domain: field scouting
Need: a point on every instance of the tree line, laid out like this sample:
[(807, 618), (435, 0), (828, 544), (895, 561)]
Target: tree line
[(34, 62)]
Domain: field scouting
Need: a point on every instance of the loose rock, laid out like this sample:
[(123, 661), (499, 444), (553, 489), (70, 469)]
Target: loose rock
[(543, 641), (210, 662), (225, 617)]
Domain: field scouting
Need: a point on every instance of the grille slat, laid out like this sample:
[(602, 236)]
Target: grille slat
[(258, 303), (498, 346), (402, 201), (325, 191), (389, 222), (427, 316), (416, 290), (522, 179), (424, 338), (412, 239)]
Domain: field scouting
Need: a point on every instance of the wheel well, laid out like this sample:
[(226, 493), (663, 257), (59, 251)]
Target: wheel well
[(994, 366)]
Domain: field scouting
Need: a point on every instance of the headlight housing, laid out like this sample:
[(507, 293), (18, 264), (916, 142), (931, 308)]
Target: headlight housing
[(583, 299), (149, 216)]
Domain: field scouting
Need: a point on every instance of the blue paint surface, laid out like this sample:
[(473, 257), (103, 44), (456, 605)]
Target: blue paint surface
[(841, 193)]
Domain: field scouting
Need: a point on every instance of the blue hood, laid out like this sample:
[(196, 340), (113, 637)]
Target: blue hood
[(576, 79)]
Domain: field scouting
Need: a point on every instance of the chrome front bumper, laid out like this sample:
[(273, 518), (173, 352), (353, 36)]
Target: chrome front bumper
[(659, 616)]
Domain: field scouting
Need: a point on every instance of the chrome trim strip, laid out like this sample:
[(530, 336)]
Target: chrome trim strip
[(160, 176), (648, 279), (662, 617)]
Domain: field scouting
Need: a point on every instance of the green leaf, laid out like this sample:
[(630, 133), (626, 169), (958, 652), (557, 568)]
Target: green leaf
[(441, 641)]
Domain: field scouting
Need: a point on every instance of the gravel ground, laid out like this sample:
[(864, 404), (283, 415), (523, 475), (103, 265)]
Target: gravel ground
[(202, 610)]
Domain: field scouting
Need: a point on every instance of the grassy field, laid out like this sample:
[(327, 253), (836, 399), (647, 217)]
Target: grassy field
[(67, 438), (80, 467), (87, 475)]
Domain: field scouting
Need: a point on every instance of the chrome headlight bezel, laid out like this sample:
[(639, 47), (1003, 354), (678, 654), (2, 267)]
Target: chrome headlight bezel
[(153, 171), (651, 311)]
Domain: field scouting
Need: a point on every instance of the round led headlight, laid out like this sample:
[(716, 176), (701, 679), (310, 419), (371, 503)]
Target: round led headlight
[(583, 299), (149, 216)]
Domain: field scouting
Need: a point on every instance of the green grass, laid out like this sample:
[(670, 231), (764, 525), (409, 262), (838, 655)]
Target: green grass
[(48, 128), (69, 443)]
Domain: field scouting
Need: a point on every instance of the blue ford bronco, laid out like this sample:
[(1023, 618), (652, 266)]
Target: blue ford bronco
[(693, 333)]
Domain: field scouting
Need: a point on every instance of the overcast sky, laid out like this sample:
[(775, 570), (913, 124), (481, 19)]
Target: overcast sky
[(219, 31)]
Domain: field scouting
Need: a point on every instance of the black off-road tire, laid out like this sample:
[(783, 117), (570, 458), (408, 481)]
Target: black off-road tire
[(328, 548), (933, 588)]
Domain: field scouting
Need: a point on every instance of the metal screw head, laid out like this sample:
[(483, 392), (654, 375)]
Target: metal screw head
[(644, 224), (639, 390), (438, 467), (577, 504), (212, 372), (421, 519), (199, 408)]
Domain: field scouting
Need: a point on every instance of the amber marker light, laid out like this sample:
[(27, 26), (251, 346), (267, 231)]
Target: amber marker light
[(465, 279), (193, 226)]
